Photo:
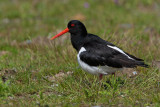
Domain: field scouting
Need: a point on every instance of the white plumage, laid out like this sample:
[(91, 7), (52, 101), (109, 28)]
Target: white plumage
[(116, 48)]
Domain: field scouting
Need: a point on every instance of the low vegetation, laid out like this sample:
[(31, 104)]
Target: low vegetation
[(38, 72)]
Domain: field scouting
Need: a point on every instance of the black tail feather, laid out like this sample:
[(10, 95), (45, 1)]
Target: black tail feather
[(142, 64)]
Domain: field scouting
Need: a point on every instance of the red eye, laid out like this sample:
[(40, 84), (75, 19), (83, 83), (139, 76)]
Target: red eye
[(72, 25)]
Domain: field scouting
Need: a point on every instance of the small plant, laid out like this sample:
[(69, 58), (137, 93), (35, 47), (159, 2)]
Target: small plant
[(112, 86), (4, 89), (114, 83)]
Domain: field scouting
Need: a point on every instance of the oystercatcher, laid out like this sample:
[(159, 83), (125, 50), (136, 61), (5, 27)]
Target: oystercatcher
[(96, 55)]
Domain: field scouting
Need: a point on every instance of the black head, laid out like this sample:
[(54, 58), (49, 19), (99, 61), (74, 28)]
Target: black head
[(76, 27), (78, 33)]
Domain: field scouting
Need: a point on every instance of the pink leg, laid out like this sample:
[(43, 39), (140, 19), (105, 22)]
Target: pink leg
[(113, 73), (100, 76)]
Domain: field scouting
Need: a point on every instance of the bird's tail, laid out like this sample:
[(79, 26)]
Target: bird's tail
[(142, 64)]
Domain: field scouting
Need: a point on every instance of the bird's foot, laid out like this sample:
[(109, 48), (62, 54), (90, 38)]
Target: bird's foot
[(100, 76), (113, 74)]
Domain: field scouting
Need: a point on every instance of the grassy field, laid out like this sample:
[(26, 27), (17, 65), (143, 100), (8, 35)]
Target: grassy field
[(38, 72)]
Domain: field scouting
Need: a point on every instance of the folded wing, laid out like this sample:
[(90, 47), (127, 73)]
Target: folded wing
[(98, 54)]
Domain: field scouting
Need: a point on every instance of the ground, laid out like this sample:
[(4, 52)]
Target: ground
[(38, 72)]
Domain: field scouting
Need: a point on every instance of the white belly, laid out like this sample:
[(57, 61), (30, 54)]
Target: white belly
[(96, 70)]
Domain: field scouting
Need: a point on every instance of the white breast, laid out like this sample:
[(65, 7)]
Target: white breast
[(95, 69)]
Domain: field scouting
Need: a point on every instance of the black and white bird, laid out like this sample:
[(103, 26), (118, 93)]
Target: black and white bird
[(95, 55)]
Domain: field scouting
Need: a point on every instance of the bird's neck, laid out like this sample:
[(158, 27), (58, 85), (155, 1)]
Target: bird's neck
[(78, 40)]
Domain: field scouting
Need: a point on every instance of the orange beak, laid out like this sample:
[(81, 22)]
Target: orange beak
[(61, 33)]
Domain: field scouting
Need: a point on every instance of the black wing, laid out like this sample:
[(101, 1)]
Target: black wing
[(99, 54)]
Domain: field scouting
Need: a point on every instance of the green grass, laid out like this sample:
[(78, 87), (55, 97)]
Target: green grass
[(132, 25)]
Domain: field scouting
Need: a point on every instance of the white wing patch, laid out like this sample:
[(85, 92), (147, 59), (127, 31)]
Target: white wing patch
[(116, 48)]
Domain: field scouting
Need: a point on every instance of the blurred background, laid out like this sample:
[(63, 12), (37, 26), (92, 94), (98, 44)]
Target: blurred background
[(22, 20), (26, 27)]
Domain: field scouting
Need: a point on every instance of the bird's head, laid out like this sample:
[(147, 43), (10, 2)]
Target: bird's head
[(74, 27)]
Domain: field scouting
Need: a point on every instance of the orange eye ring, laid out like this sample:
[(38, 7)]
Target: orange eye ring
[(72, 25)]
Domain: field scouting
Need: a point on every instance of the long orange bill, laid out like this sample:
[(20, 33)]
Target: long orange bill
[(61, 33)]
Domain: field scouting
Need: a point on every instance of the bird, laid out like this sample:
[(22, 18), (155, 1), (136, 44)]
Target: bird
[(98, 56)]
